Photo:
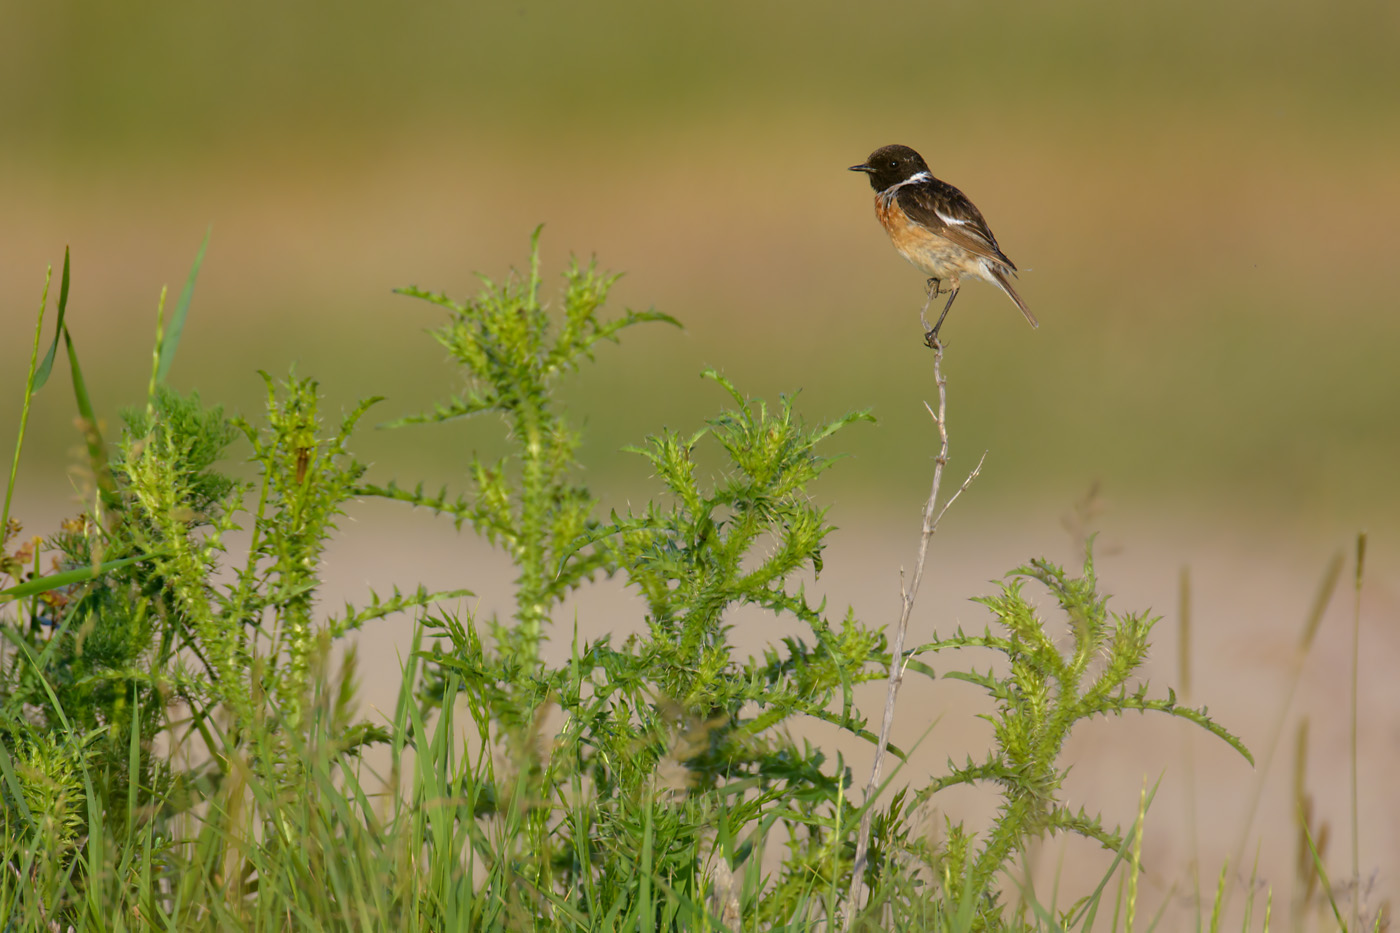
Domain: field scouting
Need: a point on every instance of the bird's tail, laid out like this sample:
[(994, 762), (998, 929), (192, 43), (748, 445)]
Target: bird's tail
[(1003, 281)]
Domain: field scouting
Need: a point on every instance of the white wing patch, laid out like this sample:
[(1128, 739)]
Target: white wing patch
[(952, 221)]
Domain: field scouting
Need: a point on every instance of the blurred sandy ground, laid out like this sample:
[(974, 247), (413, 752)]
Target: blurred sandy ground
[(1203, 198)]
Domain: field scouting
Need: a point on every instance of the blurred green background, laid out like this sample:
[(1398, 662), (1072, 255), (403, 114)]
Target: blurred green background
[(1203, 197)]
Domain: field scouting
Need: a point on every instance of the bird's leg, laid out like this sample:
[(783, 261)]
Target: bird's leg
[(931, 289), (931, 335)]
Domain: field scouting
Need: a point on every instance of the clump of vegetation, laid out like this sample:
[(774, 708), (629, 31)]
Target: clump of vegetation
[(178, 749)]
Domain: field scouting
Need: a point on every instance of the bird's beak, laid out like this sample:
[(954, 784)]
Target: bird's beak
[(862, 168)]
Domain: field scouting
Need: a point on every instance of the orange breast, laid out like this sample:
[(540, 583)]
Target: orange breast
[(925, 250)]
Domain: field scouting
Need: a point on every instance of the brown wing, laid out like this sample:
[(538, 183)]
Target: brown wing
[(947, 211)]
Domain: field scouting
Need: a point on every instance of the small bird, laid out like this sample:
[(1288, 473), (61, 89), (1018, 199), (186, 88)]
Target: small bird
[(936, 228)]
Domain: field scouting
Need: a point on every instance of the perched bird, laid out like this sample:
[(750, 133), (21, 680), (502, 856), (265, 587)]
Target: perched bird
[(935, 227)]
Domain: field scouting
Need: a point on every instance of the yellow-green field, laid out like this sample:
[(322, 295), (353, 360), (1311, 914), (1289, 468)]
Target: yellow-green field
[(1203, 199)]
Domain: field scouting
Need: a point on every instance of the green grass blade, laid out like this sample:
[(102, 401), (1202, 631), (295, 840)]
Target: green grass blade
[(68, 577), (1355, 718), (31, 385), (41, 375), (7, 770), (1218, 905), (1084, 916), (1312, 622), (171, 342), (92, 436), (133, 762), (1325, 880), (644, 901)]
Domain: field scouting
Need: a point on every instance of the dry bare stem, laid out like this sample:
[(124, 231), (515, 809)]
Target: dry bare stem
[(933, 514)]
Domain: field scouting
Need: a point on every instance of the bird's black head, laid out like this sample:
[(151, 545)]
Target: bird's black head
[(889, 165)]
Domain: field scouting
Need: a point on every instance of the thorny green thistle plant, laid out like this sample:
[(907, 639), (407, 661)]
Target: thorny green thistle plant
[(1045, 692), (131, 637), (529, 503), (678, 695), (639, 785)]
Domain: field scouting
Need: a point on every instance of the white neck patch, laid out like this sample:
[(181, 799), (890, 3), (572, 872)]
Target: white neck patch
[(916, 178)]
